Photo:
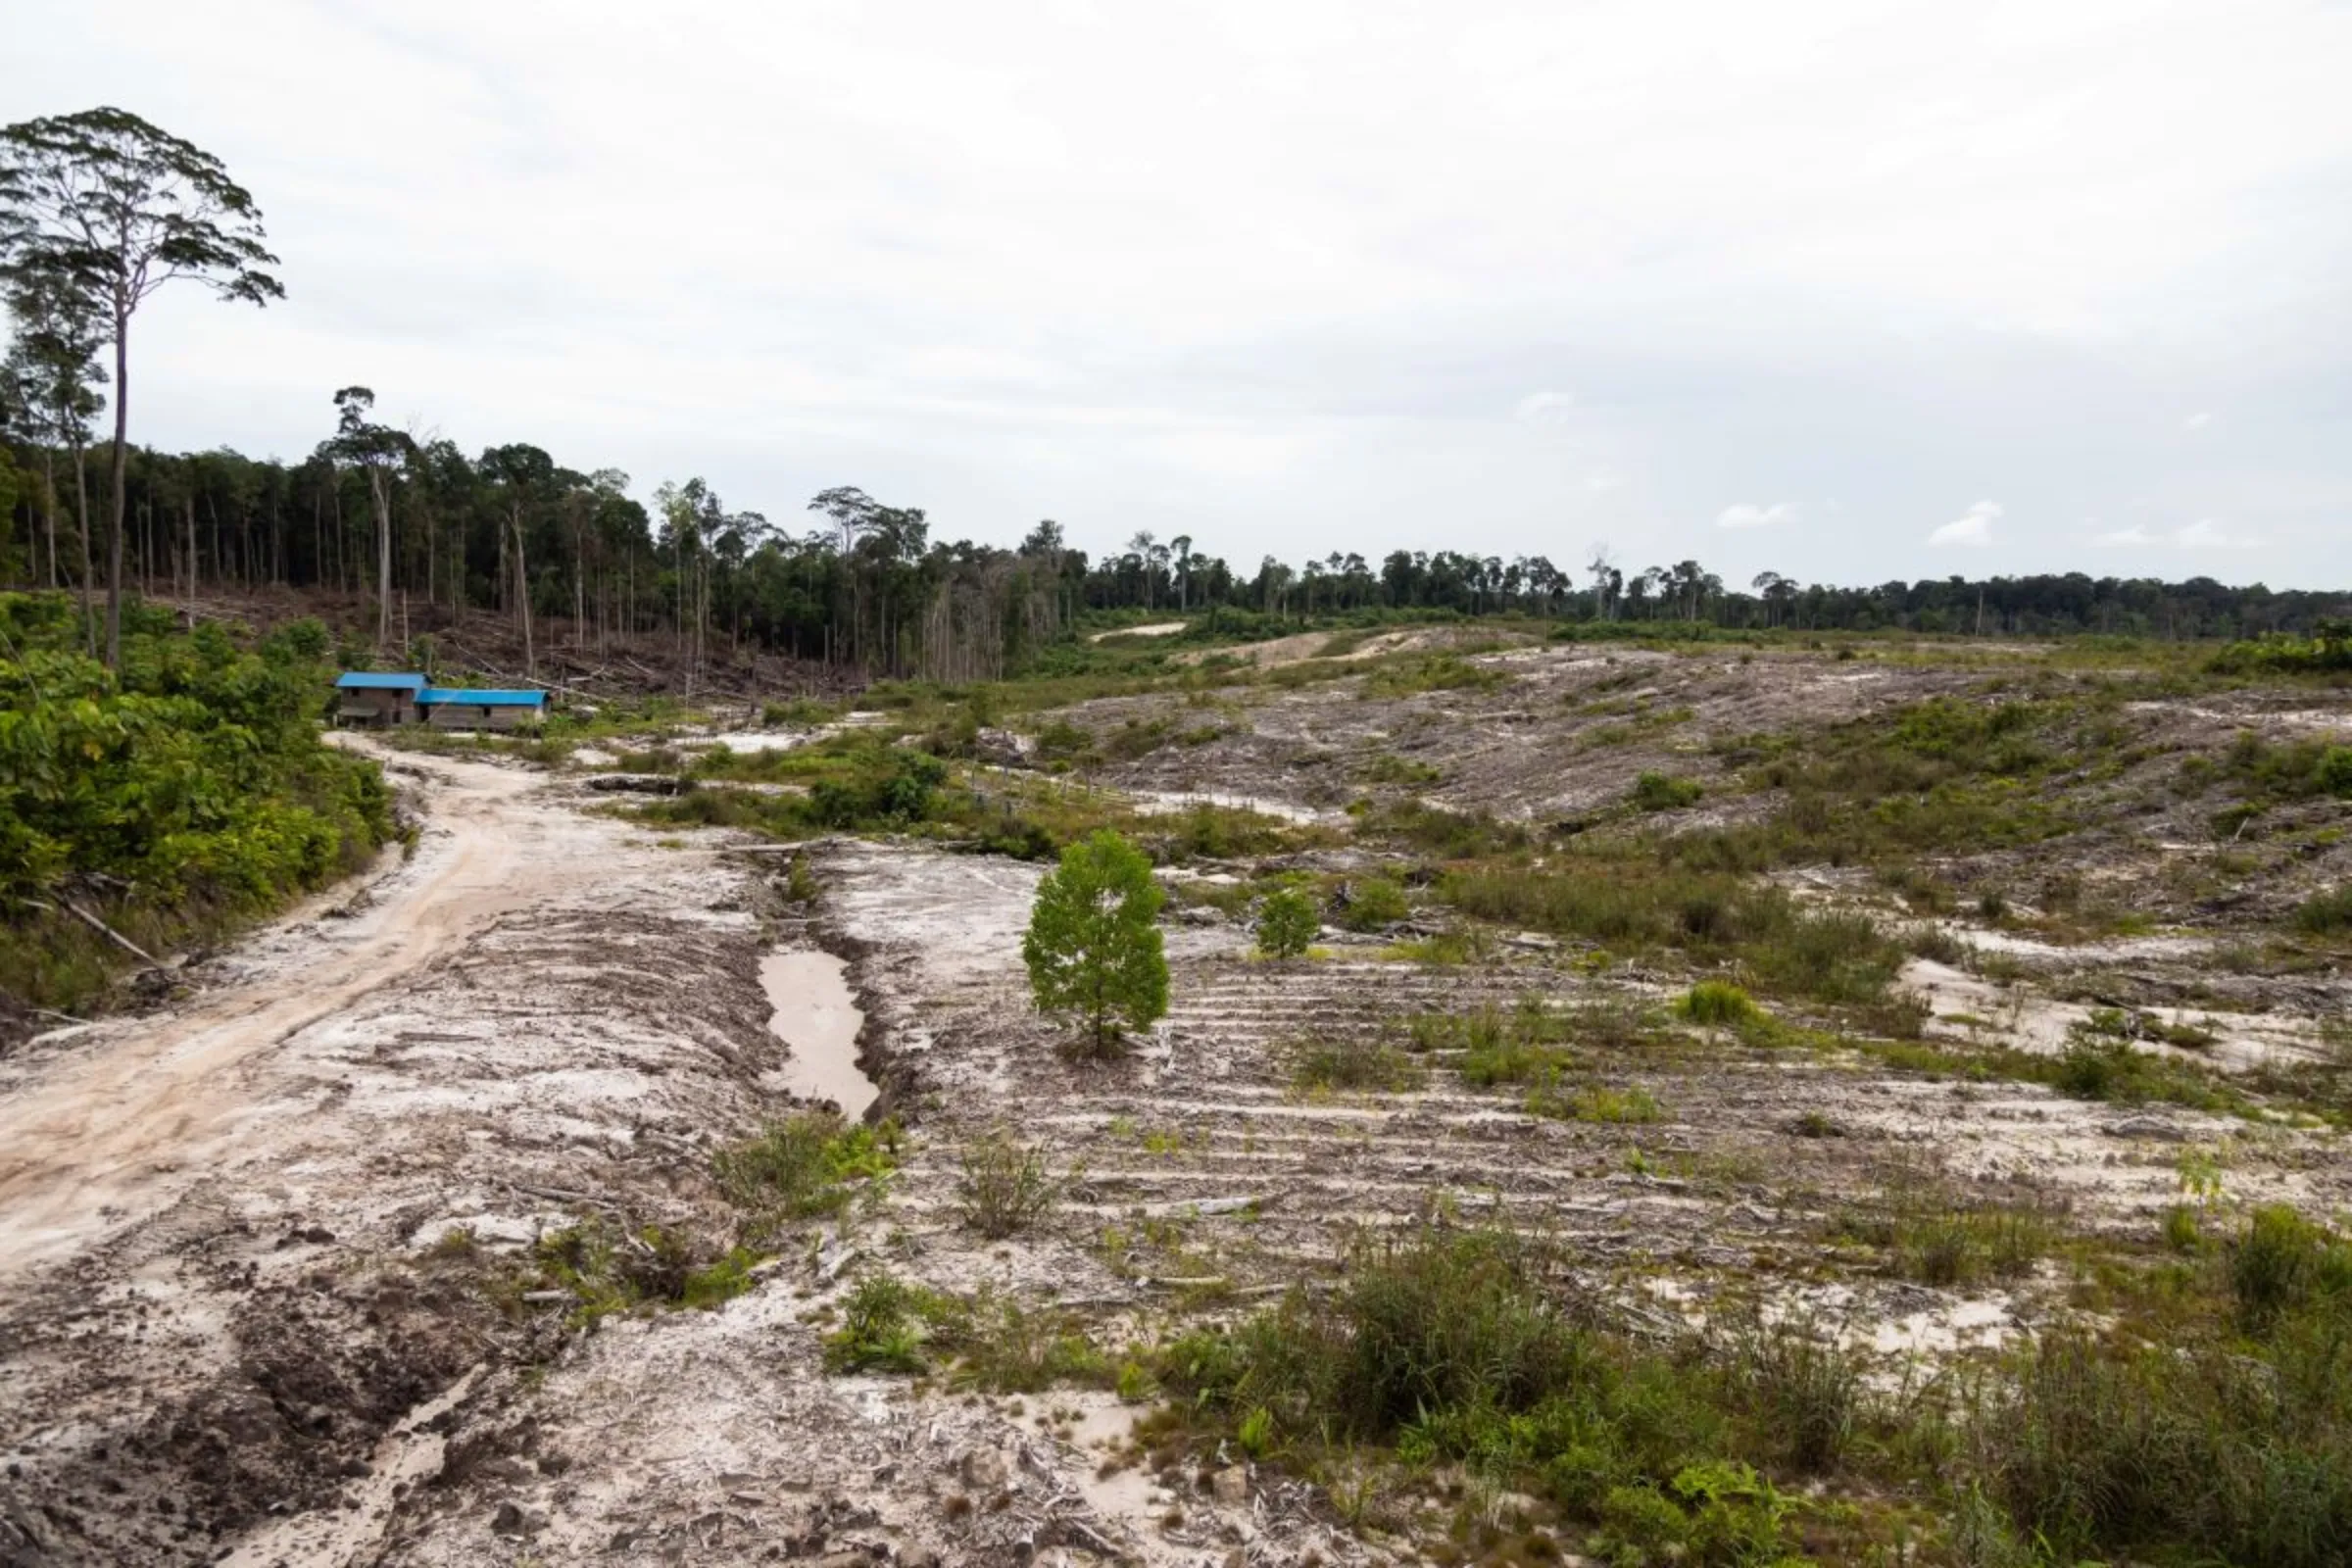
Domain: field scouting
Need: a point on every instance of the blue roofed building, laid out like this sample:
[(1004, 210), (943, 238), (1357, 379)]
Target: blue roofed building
[(377, 697), (455, 707)]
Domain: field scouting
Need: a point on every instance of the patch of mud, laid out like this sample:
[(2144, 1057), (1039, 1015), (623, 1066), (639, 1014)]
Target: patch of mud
[(818, 1018)]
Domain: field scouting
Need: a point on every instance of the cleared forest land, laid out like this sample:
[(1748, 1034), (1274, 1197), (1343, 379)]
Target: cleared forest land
[(1879, 1101)]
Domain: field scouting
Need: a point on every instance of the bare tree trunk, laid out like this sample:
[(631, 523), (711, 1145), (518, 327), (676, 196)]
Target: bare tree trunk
[(191, 502), (383, 555), (82, 526), (49, 504), (114, 571), (523, 593)]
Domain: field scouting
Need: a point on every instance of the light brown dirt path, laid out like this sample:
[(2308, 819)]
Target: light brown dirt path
[(119, 1124)]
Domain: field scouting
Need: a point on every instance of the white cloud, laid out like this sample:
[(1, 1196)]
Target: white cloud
[(2206, 533), (1544, 408), (2198, 421), (1747, 515), (2136, 534), (1972, 527)]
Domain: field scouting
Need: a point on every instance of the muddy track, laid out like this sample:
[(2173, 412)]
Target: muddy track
[(213, 1304), (132, 1112)]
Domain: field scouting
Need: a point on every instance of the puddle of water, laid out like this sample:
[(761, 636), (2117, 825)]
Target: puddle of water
[(818, 1018)]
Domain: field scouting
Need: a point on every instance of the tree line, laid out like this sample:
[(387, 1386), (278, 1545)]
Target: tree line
[(98, 210)]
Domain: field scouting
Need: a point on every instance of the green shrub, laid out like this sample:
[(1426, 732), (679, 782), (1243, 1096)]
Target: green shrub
[(1659, 792), (897, 790), (1005, 1187), (1373, 903), (1355, 1062), (1595, 1102), (2326, 913), (2279, 1262), (172, 798), (879, 1331), (1287, 923), (1717, 1003), (804, 1165)]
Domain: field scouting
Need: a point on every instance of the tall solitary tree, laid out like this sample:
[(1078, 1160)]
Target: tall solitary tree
[(1093, 948), (122, 208)]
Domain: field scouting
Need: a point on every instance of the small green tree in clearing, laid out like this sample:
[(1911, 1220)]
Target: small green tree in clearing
[(1093, 948), (1287, 922)]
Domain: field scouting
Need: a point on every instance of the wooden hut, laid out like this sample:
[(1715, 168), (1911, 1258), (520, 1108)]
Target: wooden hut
[(454, 707), (375, 699)]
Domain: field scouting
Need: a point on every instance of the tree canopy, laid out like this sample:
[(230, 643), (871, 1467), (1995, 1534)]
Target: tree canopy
[(113, 207)]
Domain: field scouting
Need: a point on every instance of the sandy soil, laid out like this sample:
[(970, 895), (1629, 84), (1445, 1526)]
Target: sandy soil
[(235, 1329)]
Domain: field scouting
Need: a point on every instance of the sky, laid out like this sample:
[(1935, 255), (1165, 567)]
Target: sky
[(1844, 289)]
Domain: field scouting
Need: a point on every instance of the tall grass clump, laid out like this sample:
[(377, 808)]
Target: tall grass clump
[(1005, 1187), (805, 1165), (2326, 913), (1717, 1003)]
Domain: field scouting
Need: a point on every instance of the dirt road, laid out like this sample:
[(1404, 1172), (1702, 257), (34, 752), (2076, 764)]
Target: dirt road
[(128, 1114), (212, 1309)]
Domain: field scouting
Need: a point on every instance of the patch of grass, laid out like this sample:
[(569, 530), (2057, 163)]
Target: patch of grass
[(1960, 1245), (1415, 823), (1660, 792), (805, 1165), (2281, 1262), (1448, 1346), (1595, 1102), (1002, 1347), (1004, 1188), (1387, 767), (1352, 1062), (1717, 1003), (1432, 672), (1499, 1045), (604, 1267), (1372, 903), (2125, 1451), (2326, 913), (881, 1328)]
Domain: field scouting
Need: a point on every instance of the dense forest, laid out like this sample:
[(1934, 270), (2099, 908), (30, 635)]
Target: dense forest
[(567, 556)]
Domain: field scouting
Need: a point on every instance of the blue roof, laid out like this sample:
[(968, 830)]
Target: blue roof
[(372, 681), (481, 699)]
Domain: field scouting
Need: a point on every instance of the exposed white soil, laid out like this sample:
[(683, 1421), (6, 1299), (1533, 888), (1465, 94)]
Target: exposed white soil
[(1157, 628), (233, 1318)]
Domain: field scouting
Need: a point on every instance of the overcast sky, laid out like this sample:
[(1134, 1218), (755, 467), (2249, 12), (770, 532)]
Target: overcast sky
[(1845, 290)]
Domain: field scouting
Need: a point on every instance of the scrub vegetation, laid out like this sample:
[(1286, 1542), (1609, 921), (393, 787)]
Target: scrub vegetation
[(165, 802)]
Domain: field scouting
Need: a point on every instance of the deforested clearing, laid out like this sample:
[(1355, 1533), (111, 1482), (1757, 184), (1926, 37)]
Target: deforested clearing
[(1923, 1123)]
